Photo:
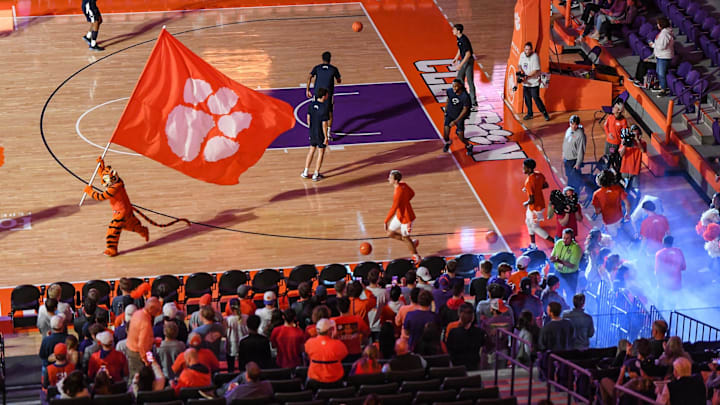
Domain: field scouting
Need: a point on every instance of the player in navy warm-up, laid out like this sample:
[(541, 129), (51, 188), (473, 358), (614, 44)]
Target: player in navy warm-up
[(317, 119), (92, 14), (325, 75), (456, 111)]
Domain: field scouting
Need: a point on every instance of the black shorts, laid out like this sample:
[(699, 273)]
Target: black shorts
[(317, 141), (460, 126), (91, 11), (329, 101)]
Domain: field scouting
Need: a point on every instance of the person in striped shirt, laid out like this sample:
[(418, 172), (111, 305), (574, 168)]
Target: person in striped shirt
[(398, 223)]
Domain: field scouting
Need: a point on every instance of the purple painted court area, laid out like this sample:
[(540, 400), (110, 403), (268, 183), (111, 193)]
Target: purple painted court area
[(371, 113)]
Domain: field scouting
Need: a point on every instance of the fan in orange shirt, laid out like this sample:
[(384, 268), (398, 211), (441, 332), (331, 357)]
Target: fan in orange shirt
[(398, 223), (613, 126), (534, 185), (608, 200)]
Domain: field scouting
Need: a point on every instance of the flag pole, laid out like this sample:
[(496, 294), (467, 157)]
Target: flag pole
[(92, 178)]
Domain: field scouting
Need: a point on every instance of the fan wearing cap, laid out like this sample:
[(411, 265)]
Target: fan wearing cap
[(170, 315), (500, 318), (265, 313), (573, 152), (57, 336), (521, 265), (524, 299), (631, 152), (566, 256), (557, 334), (247, 305), (113, 360), (424, 278), (205, 356), (60, 368), (325, 355), (196, 317)]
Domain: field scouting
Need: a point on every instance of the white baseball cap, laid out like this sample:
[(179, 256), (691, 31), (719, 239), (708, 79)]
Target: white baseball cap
[(424, 273)]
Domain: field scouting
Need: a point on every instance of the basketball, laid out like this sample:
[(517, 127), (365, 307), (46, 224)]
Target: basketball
[(357, 26), (365, 248), (491, 237)]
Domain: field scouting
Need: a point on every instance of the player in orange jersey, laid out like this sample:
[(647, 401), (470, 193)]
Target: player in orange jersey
[(534, 185), (398, 223)]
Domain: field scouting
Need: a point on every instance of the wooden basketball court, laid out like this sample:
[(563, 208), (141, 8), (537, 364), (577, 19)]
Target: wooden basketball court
[(273, 218)]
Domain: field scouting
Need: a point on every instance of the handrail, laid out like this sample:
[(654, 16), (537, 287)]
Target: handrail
[(713, 333), (576, 370), (636, 395), (512, 358)]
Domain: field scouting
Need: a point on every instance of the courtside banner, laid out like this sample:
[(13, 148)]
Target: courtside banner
[(531, 23), (188, 115)]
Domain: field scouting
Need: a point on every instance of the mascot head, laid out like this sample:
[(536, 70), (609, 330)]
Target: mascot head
[(109, 176)]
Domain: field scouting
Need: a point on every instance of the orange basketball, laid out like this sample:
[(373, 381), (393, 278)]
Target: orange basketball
[(357, 26), (491, 237), (365, 248)]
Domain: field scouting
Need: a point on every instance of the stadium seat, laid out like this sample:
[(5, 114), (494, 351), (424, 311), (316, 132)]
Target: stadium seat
[(435, 264), (300, 372), (538, 258), (346, 401), (230, 281), (430, 397), (172, 286), (259, 400), (362, 269), (115, 399), (214, 401), (220, 379), (67, 293), (405, 375), (327, 393), (396, 399), (332, 273), (442, 372), (276, 374), (498, 401), (365, 379), (288, 385), (71, 401), (502, 257), (193, 392), (197, 285), (319, 402), (298, 396), (378, 389), (24, 297), (432, 384), (479, 393), (103, 289), (455, 383), (165, 395), (134, 283), (438, 360), (267, 280), (398, 268), (467, 264), (300, 273)]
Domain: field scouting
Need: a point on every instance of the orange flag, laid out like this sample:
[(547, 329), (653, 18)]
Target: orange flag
[(187, 115)]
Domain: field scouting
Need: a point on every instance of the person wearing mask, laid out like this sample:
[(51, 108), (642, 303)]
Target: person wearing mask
[(582, 323), (325, 355)]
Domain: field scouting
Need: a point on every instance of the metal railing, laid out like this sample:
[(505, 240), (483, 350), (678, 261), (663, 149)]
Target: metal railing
[(515, 340), (639, 398), (691, 330), (572, 377)]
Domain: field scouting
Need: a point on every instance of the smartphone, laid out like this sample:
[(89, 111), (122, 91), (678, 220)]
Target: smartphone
[(394, 281), (716, 360), (149, 357)]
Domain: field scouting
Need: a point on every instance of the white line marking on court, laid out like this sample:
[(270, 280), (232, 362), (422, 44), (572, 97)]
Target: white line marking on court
[(303, 123), (436, 129), (361, 144), (77, 128), (390, 67)]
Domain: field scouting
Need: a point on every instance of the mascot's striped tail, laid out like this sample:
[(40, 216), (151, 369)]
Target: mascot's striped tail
[(161, 225)]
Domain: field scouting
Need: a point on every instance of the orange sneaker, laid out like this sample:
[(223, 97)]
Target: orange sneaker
[(145, 233), (110, 252)]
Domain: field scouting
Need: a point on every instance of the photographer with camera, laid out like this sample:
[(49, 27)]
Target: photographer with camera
[(528, 75), (565, 207), (631, 151)]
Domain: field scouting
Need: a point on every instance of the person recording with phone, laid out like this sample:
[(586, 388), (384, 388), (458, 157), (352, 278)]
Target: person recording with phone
[(631, 150)]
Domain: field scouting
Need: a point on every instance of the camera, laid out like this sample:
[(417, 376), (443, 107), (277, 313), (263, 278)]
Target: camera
[(627, 137), (563, 204), (519, 77)]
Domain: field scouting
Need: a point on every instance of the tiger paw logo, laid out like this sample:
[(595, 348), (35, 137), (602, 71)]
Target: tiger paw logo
[(207, 125)]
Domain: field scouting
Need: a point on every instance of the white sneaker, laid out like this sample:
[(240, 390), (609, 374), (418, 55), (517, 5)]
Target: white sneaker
[(305, 175), (317, 177)]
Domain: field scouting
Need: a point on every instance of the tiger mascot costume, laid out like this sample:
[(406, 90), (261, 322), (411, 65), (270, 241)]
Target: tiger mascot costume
[(123, 211)]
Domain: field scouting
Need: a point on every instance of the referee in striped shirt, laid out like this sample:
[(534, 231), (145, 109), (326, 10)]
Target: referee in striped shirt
[(573, 153)]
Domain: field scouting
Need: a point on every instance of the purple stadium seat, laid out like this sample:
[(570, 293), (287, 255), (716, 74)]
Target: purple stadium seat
[(692, 8), (683, 4), (714, 54), (672, 82), (644, 29), (691, 31), (715, 33), (645, 52), (692, 77), (688, 100), (700, 87), (683, 69), (704, 43), (708, 24), (716, 131), (700, 16)]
